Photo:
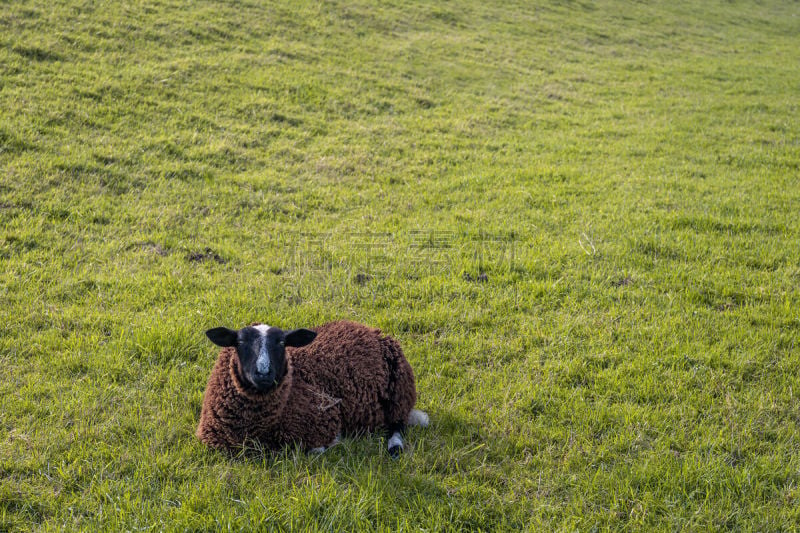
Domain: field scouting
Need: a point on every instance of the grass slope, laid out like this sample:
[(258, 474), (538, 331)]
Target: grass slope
[(580, 219)]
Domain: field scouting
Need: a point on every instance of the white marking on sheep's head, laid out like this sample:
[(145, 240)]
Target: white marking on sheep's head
[(261, 351)]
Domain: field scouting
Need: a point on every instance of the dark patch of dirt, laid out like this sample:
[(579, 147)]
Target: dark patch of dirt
[(362, 278), (483, 277), (206, 255), (623, 282)]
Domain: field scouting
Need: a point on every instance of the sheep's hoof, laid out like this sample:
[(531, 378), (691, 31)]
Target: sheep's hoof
[(395, 445), (395, 451)]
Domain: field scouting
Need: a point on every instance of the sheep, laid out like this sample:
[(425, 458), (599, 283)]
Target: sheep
[(306, 387)]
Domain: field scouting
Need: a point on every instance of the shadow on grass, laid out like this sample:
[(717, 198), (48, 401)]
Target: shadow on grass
[(453, 473)]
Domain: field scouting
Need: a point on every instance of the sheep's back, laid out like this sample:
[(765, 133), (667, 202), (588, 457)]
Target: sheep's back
[(363, 368)]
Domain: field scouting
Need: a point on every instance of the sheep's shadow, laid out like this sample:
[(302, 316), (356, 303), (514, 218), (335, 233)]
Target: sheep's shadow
[(451, 448), (447, 432), (455, 472)]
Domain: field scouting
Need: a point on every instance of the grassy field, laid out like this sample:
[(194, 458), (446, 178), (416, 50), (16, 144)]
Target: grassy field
[(579, 218)]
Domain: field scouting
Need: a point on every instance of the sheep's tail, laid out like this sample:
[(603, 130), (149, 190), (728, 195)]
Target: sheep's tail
[(418, 418)]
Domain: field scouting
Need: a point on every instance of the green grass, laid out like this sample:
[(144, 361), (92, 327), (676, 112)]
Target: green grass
[(580, 219)]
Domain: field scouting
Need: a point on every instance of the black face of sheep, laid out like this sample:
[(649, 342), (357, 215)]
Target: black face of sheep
[(261, 350)]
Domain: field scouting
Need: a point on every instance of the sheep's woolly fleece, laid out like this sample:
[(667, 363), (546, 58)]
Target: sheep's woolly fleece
[(351, 378)]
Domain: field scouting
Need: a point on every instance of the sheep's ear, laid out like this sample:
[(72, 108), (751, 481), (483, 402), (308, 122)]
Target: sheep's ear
[(223, 336), (299, 337)]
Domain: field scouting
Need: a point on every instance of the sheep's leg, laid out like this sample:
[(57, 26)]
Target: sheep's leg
[(395, 445), (395, 432)]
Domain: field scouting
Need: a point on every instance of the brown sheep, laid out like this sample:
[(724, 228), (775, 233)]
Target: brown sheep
[(306, 387)]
